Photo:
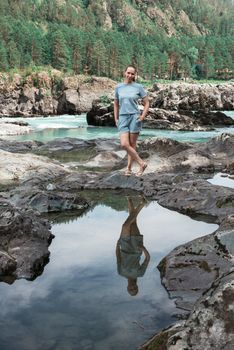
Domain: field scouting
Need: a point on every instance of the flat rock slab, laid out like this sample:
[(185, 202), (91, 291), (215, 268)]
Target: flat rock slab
[(18, 167)]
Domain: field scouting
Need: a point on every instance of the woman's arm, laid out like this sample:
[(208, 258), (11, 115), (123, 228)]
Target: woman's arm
[(145, 101), (147, 255), (116, 110), (117, 252)]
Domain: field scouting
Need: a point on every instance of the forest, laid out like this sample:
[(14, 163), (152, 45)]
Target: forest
[(102, 37)]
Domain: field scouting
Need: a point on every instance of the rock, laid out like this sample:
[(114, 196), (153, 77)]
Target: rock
[(210, 323), (24, 242), (216, 119), (19, 146), (199, 198), (186, 96), (100, 153), (45, 201), (163, 146), (102, 114), (18, 167), (190, 269), (172, 120), (7, 128), (46, 93), (200, 276), (69, 102)]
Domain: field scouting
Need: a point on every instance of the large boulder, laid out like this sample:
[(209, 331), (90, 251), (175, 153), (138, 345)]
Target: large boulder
[(45, 93), (102, 114), (24, 241), (200, 276), (210, 323), (188, 96)]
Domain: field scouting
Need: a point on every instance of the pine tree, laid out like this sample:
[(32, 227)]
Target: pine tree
[(3, 58), (60, 55)]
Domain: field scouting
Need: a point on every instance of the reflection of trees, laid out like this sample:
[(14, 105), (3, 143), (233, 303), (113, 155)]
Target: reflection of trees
[(113, 199), (66, 217)]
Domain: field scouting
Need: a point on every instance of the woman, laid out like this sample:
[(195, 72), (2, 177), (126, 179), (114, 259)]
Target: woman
[(130, 248), (128, 117)]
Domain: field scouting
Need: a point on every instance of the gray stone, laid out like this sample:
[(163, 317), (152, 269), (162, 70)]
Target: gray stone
[(24, 241)]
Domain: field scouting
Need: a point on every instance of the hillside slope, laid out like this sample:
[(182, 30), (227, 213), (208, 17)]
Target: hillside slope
[(164, 38)]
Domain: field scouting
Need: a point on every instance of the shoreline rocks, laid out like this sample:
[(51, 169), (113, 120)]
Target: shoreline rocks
[(50, 93), (24, 242), (193, 97), (13, 128), (175, 177), (200, 276), (158, 118)]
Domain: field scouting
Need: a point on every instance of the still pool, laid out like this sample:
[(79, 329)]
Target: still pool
[(80, 302)]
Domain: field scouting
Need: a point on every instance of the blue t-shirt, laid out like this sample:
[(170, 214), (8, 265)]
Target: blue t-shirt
[(128, 95)]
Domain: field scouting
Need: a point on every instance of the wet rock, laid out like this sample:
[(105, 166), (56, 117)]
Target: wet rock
[(190, 269), (210, 323), (19, 146), (199, 197), (200, 276), (24, 241), (99, 154), (45, 200)]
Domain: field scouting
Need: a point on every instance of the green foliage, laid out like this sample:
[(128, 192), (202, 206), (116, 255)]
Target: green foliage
[(71, 36), (105, 100)]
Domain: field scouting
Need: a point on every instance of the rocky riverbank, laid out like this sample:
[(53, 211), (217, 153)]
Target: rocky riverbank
[(177, 107), (50, 93), (50, 177)]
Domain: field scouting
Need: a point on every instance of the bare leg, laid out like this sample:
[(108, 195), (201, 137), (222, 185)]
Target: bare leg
[(130, 226), (133, 141), (125, 143)]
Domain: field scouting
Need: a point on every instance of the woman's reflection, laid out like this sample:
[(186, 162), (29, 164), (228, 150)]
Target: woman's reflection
[(130, 247)]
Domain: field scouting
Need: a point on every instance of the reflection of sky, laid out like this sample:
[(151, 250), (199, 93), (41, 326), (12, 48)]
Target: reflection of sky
[(50, 128), (220, 180), (80, 302)]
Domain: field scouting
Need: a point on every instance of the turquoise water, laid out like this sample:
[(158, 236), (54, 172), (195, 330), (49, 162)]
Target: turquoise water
[(80, 301), (49, 128)]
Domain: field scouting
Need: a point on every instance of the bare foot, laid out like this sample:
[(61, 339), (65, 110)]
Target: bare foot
[(128, 172), (142, 169)]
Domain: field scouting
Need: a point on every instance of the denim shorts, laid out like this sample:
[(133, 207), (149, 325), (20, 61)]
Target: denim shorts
[(129, 123)]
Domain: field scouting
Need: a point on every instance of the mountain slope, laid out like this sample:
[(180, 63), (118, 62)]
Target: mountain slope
[(164, 38)]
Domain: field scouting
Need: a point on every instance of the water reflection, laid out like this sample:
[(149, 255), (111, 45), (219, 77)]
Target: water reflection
[(80, 301), (130, 248)]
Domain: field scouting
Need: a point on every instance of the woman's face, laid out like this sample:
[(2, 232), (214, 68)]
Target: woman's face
[(130, 74)]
